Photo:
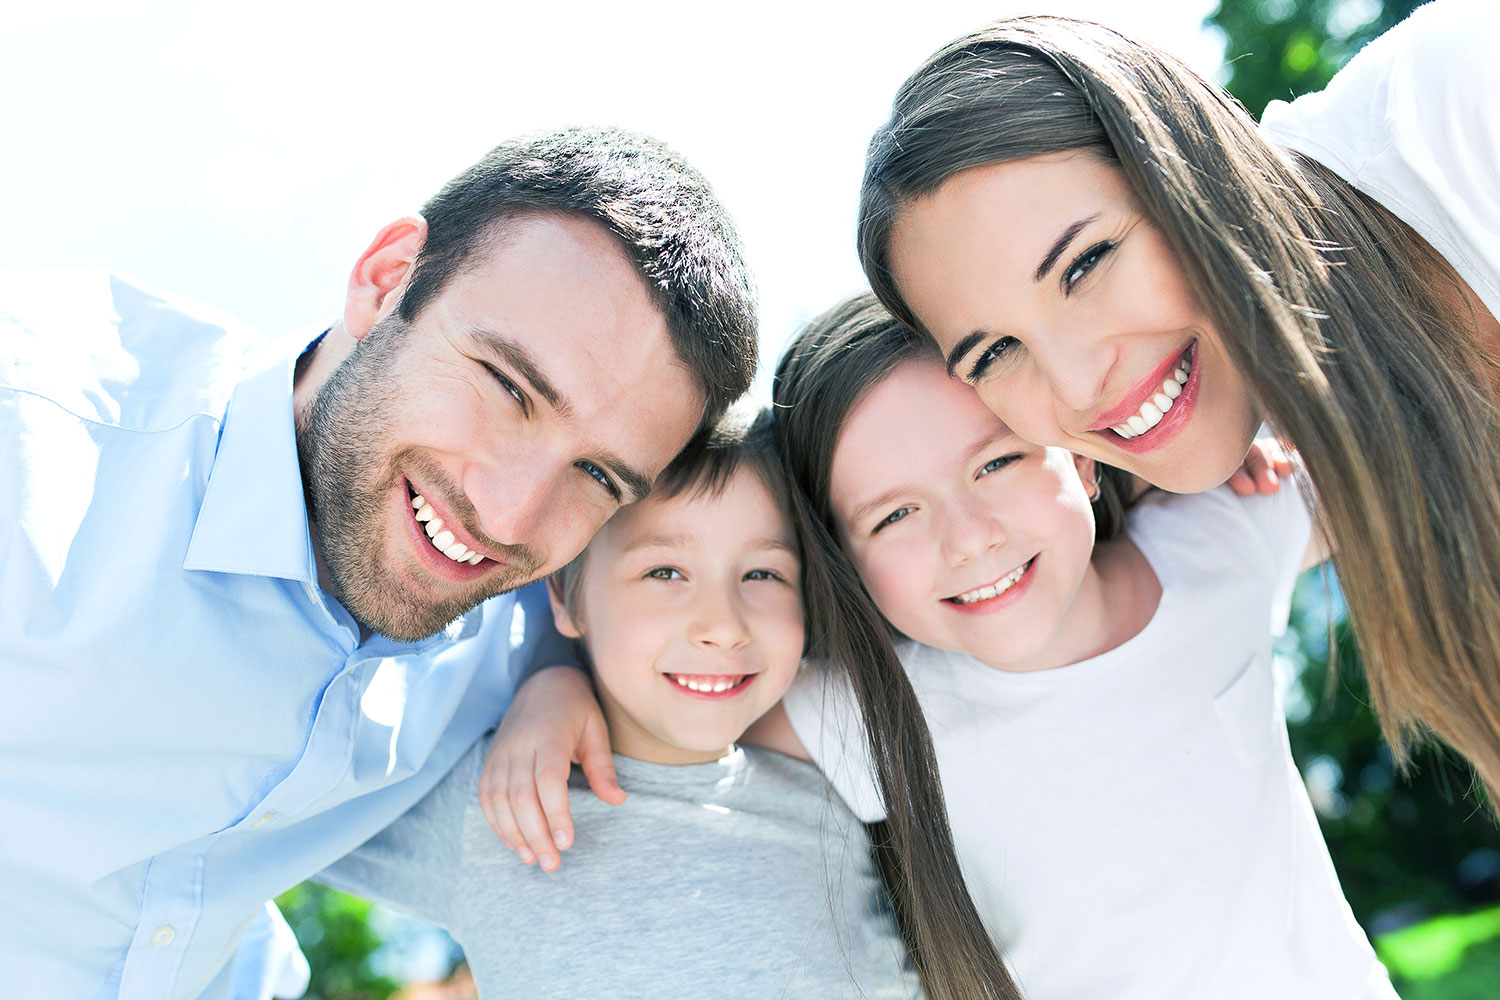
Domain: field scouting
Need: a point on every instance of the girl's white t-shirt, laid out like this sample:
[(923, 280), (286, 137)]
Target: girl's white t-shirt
[(1133, 826)]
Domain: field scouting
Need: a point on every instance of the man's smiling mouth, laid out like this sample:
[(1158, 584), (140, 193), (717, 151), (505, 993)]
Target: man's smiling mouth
[(440, 537)]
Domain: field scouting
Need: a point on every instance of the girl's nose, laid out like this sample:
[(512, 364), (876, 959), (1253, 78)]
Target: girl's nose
[(972, 530), (717, 622)]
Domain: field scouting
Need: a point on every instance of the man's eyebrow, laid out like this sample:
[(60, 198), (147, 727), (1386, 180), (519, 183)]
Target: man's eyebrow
[(1061, 245), (517, 357), (637, 484)]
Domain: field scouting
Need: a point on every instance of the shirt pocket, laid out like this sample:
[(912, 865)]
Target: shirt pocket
[(1247, 712)]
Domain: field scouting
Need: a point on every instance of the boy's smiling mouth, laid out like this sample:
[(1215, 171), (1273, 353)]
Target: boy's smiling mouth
[(711, 685)]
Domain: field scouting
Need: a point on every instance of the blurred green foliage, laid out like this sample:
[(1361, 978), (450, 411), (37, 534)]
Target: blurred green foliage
[(339, 940), (1277, 49)]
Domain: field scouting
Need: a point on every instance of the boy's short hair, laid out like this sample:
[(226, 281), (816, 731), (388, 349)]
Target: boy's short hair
[(741, 437)]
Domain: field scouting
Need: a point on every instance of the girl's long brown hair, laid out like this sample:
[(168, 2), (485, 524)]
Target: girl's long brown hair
[(941, 926), (1354, 336)]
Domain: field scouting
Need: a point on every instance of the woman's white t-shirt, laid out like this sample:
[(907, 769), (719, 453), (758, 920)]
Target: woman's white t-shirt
[(1133, 826)]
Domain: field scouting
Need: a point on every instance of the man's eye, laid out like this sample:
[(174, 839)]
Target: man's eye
[(508, 386), (893, 517), (665, 573), (996, 351), (601, 477), (1084, 263)]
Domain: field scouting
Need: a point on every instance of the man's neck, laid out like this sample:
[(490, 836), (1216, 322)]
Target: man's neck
[(316, 364)]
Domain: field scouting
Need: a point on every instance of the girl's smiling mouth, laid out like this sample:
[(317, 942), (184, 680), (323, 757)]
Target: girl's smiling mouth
[(989, 592), (711, 685)]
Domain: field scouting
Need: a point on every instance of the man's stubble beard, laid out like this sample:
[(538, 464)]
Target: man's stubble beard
[(347, 480)]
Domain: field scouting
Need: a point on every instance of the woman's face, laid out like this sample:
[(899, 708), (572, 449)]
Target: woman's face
[(1051, 293)]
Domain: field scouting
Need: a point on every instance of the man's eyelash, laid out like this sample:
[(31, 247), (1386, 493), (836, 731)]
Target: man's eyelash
[(1084, 263), (601, 477), (509, 386)]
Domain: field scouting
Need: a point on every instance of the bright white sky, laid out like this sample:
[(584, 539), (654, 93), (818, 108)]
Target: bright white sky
[(244, 153)]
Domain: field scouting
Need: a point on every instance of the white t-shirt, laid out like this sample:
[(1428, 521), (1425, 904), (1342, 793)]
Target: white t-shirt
[(1412, 122), (1133, 826)]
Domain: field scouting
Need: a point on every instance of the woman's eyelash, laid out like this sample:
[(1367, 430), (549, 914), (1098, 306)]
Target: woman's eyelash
[(995, 352), (1084, 263)]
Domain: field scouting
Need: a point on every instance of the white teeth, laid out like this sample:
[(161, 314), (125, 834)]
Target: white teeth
[(425, 512), (442, 540), (705, 686), (458, 551), (417, 502), (995, 589), (474, 558), (1152, 410), (434, 526)]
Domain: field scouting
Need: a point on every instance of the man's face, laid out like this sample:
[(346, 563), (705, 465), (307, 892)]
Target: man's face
[(524, 405)]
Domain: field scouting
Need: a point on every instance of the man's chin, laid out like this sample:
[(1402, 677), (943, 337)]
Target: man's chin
[(397, 617)]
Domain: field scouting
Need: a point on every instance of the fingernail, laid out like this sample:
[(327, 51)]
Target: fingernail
[(549, 863), (561, 839), (527, 856)]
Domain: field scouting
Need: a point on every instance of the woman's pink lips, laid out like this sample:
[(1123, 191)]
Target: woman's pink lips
[(1000, 601), (1171, 422), (439, 564), (1144, 390), (711, 695)]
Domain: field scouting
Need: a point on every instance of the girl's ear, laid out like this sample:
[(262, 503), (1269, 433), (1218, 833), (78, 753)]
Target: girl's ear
[(560, 616), (1088, 471)]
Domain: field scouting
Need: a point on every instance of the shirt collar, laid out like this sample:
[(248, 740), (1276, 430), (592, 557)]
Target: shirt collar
[(253, 519)]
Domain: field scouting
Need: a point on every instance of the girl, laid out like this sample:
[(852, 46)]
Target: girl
[(732, 873), (1072, 217), (1120, 788)]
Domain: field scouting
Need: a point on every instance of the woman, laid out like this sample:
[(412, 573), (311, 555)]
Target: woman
[(1077, 219)]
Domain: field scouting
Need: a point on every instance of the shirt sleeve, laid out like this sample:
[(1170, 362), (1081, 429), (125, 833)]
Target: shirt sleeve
[(1283, 524), (824, 714), (412, 864)]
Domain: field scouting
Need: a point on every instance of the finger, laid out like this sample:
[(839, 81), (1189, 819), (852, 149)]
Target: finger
[(1267, 480), (1242, 483), (552, 792), (492, 799), (598, 763), (536, 840)]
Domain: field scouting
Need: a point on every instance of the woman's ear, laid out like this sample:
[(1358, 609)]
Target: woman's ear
[(560, 615), (381, 272)]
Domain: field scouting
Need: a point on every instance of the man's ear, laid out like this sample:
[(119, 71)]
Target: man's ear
[(560, 616), (381, 272)]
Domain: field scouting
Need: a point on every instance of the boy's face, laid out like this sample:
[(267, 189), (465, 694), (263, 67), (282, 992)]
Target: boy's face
[(692, 613)]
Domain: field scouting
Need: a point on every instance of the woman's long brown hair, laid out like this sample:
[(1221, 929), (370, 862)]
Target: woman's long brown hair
[(1354, 336)]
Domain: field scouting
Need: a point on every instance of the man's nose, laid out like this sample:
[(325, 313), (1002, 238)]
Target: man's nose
[(514, 504)]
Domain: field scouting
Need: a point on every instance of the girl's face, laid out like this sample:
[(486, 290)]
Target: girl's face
[(691, 609), (967, 537), (1051, 293)]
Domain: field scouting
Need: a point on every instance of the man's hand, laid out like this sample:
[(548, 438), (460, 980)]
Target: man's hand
[(1265, 466), (553, 722)]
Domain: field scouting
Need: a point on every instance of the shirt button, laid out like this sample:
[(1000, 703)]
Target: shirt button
[(163, 935), (263, 820)]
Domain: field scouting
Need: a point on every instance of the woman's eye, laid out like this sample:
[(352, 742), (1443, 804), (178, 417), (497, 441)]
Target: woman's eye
[(665, 573), (893, 517), (601, 477), (508, 386), (995, 352), (995, 464), (1084, 263)]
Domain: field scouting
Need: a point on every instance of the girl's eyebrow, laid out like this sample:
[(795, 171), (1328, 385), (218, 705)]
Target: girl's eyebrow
[(890, 496)]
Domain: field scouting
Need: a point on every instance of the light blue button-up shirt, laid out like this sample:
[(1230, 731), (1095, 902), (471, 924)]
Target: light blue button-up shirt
[(188, 723)]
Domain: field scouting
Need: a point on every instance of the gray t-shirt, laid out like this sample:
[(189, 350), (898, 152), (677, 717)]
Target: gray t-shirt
[(739, 879)]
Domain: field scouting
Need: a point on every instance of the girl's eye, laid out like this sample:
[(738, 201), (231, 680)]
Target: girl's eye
[(601, 477), (1084, 263), (763, 574), (995, 352), (508, 386), (995, 465), (892, 518), (665, 573)]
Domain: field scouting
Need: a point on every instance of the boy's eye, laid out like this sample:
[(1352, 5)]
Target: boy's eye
[(893, 517), (995, 465), (987, 358), (1084, 263), (665, 573), (763, 574), (601, 477)]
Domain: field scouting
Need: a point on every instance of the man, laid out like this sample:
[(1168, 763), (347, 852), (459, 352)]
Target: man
[(255, 601)]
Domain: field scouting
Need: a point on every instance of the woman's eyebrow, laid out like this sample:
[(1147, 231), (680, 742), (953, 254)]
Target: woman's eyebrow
[(1061, 245)]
